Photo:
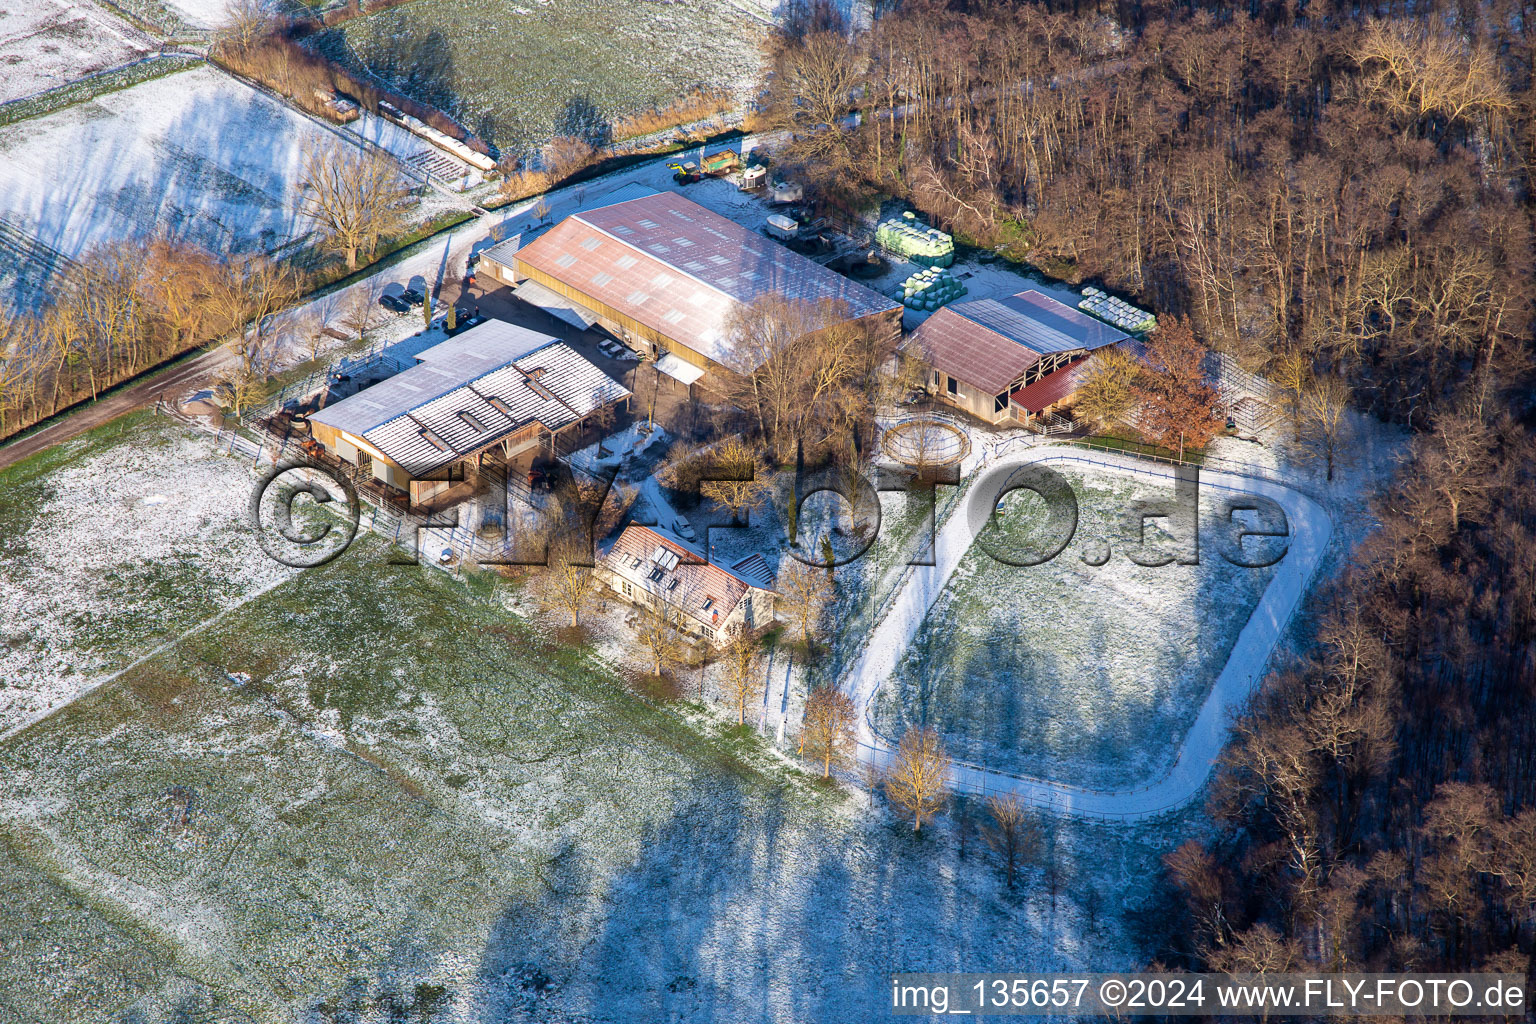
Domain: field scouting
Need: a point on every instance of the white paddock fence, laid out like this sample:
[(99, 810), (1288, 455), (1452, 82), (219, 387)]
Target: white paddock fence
[(884, 647)]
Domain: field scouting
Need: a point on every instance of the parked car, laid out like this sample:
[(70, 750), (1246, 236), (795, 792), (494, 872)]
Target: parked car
[(682, 528), (394, 303), (414, 297), (470, 321), (611, 349)]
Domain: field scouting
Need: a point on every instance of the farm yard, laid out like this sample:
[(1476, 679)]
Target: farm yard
[(372, 792), (1075, 673), (518, 74), (46, 43)]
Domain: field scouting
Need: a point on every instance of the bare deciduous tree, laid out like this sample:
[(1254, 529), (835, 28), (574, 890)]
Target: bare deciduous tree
[(241, 386), (748, 481), (1326, 410), (567, 581), (743, 668), (246, 300), (355, 195), (1105, 392), (804, 592), (827, 733), (918, 781), (360, 311), (662, 637), (1013, 834)]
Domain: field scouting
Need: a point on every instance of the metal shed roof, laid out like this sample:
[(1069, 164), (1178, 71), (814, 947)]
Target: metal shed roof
[(989, 343), (1039, 322), (681, 270), (470, 392), (1051, 388)]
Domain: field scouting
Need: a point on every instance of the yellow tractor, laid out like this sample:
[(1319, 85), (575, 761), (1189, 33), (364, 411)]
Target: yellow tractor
[(684, 174)]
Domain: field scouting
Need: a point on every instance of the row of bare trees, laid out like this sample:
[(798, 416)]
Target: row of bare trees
[(128, 306)]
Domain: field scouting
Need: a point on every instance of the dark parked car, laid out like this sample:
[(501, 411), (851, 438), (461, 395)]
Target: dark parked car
[(414, 297), (395, 303)]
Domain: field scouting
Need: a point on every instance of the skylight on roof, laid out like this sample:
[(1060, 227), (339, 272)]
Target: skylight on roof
[(662, 280), (674, 316), (565, 259), (636, 297), (472, 421), (591, 244), (718, 260), (648, 224), (623, 230), (625, 262), (602, 278)]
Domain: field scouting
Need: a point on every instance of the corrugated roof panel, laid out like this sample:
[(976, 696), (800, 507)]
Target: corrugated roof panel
[(718, 242), (989, 343), (1051, 388), (473, 391)]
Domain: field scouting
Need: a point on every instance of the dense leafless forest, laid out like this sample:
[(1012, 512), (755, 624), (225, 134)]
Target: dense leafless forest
[(1331, 193), (1352, 186)]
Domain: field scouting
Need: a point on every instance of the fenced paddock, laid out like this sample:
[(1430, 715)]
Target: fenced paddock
[(925, 442), (1167, 788)]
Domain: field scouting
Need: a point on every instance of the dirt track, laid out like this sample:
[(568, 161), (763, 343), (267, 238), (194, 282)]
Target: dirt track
[(132, 397)]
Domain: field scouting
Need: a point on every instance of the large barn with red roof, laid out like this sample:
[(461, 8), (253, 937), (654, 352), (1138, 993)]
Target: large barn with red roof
[(1009, 359), (661, 271)]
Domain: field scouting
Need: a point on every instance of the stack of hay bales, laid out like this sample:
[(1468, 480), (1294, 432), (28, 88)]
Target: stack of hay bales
[(1116, 311), (929, 289), (907, 238)]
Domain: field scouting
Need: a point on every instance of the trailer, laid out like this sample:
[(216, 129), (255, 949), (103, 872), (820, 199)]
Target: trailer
[(721, 163), (786, 192), (782, 227)]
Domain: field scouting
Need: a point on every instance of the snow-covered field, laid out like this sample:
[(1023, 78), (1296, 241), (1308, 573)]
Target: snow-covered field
[(1077, 673), (113, 546), (46, 43), (518, 72), (194, 155), (421, 801), (203, 14)]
